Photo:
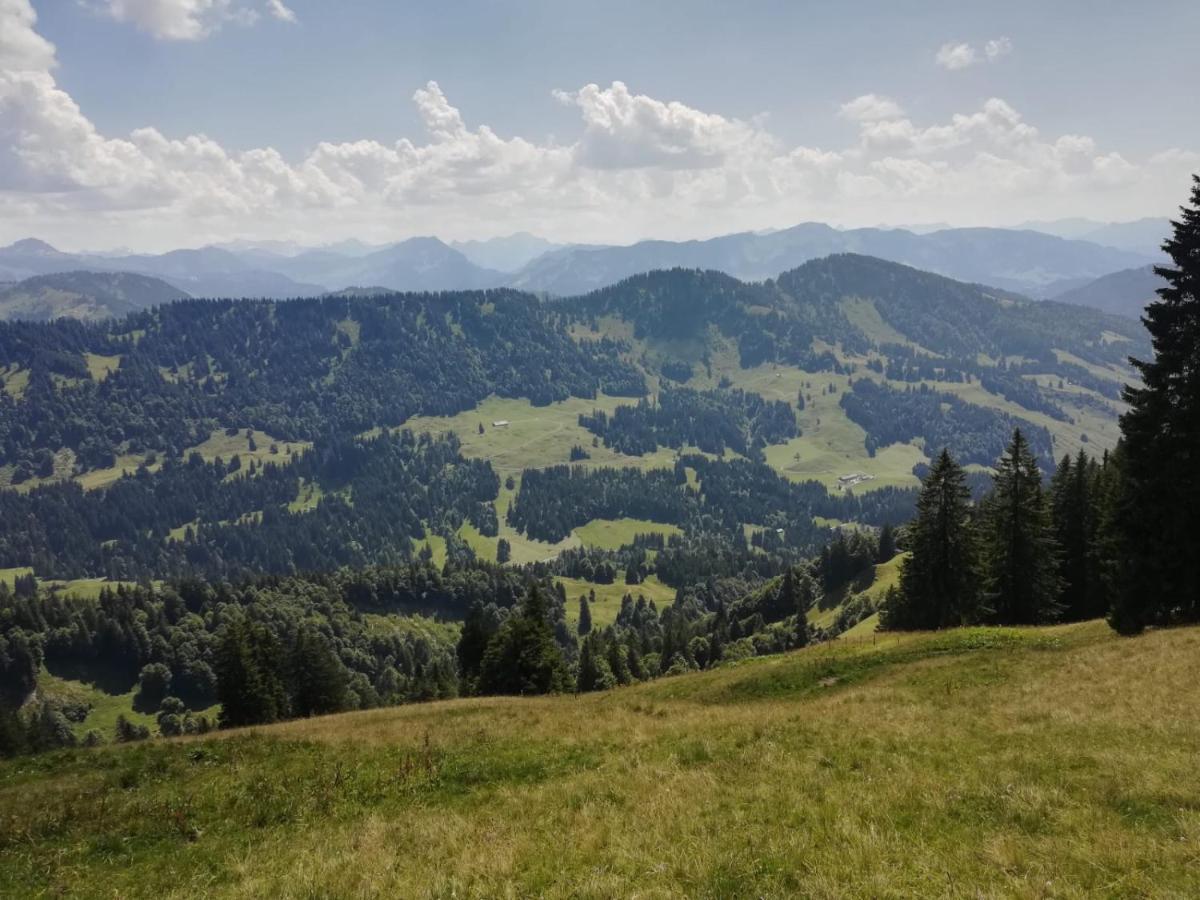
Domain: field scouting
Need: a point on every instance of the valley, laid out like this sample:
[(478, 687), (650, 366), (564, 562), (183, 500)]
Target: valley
[(651, 450)]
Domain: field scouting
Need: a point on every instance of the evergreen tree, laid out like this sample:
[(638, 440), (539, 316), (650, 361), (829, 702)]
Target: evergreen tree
[(479, 627), (318, 678), (585, 617), (1021, 556), (503, 551), (887, 543), (1106, 492), (1159, 514), (1073, 509), (248, 667), (618, 661), (939, 582), (800, 636), (595, 673), (523, 657)]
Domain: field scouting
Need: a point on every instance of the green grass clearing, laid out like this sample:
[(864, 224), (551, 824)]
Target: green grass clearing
[(1053, 762)]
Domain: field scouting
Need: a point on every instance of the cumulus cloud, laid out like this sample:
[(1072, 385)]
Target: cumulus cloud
[(637, 165), (623, 130), (22, 48), (956, 56), (870, 108), (190, 20)]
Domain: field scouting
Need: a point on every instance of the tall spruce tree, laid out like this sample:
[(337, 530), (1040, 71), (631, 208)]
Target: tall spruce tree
[(249, 666), (1073, 509), (523, 657), (939, 582), (1020, 553), (887, 543), (1159, 511), (585, 617), (318, 678)]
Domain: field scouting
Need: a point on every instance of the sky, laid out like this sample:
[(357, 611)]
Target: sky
[(152, 124)]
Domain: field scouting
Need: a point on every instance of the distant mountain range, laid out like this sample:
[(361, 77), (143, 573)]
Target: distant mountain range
[(506, 254), (207, 272), (86, 296), (1123, 293), (1028, 262), (1142, 236)]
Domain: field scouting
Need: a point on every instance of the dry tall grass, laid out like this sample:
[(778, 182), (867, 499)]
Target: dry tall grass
[(1039, 763)]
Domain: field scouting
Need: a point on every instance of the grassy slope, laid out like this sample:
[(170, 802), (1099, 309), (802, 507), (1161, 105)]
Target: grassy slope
[(885, 575), (1035, 763), (608, 597)]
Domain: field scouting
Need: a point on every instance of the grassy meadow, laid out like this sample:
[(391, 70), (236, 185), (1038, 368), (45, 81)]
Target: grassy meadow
[(1055, 762)]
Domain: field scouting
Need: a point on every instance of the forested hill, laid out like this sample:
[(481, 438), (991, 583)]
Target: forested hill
[(88, 296), (163, 380), (223, 436), (780, 318)]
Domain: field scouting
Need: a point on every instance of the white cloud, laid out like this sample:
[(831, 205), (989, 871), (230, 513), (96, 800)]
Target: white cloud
[(997, 48), (278, 10), (628, 131), (956, 56), (637, 165), (22, 48), (190, 20), (870, 108)]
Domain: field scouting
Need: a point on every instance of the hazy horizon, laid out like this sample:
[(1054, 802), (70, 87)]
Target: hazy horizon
[(159, 124)]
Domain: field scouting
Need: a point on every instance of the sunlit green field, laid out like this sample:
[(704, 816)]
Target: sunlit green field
[(1054, 762), (884, 576), (607, 604)]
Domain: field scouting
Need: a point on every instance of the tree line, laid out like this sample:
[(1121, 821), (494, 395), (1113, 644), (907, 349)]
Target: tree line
[(1114, 536)]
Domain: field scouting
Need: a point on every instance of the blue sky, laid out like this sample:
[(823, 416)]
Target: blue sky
[(167, 122)]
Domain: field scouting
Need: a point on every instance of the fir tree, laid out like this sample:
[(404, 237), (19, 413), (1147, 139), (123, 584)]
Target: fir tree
[(1021, 556), (585, 617), (318, 678), (248, 667), (887, 543), (618, 662), (1074, 513), (595, 674), (939, 582), (523, 657), (1159, 514), (479, 627)]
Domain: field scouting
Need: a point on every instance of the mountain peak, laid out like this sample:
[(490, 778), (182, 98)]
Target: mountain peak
[(33, 246)]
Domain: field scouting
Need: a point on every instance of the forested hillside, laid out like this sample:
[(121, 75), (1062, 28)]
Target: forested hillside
[(88, 296), (744, 449), (245, 429)]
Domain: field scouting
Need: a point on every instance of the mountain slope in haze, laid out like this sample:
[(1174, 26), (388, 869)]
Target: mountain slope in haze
[(1123, 293), (424, 264), (1141, 236), (205, 272), (1023, 261), (86, 296), (417, 264), (505, 254)]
